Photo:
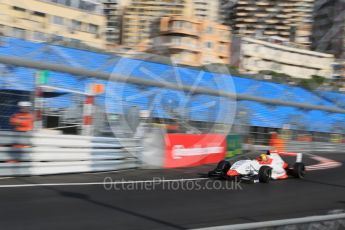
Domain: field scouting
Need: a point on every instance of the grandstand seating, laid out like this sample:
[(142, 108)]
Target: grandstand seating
[(200, 107)]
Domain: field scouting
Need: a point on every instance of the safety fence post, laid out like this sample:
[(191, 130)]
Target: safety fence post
[(38, 103), (87, 115)]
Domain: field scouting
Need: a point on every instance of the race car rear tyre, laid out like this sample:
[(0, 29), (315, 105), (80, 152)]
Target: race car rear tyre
[(298, 170), (265, 173), (221, 169), (224, 166)]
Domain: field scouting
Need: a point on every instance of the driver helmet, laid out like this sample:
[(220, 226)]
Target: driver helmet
[(263, 157)]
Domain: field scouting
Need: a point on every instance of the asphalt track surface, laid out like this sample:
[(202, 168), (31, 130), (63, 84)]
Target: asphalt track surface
[(58, 204)]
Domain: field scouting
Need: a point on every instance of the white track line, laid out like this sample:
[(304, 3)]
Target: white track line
[(99, 183)]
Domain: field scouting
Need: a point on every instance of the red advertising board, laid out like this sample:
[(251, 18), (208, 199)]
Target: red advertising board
[(187, 150)]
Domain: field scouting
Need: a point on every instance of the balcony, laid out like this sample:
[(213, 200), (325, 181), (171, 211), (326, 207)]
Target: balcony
[(181, 30)]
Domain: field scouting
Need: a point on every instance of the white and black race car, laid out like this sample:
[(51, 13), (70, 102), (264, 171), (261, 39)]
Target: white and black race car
[(262, 169)]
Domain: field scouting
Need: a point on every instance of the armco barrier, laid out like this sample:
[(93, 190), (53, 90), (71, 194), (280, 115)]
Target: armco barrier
[(333, 221), (314, 147), (54, 153)]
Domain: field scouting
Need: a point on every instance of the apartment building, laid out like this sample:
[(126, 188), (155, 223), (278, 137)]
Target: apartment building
[(207, 10), (141, 16), (257, 55), (75, 22), (113, 11), (289, 19), (329, 27), (192, 41)]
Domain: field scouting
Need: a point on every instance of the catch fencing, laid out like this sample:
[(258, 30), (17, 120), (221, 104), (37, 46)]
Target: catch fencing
[(66, 104), (43, 153)]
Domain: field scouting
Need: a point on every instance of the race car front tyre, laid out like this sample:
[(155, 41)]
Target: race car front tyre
[(298, 170), (265, 173)]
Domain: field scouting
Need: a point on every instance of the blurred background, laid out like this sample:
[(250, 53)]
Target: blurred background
[(290, 51), (89, 87)]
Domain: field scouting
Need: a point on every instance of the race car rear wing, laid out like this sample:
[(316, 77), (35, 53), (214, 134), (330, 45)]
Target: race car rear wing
[(298, 156)]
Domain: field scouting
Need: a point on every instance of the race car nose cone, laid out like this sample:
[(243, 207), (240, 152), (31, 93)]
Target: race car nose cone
[(232, 172)]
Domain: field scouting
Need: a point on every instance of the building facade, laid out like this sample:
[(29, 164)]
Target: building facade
[(329, 27), (142, 16), (192, 41), (289, 19), (75, 22), (256, 55)]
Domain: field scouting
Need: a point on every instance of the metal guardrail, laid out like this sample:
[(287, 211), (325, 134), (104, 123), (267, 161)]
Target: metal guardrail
[(334, 221), (144, 82), (49, 168), (46, 139), (43, 153), (64, 154)]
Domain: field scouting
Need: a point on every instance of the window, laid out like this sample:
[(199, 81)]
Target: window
[(18, 33), (75, 41), (187, 25), (209, 45), (57, 38), (58, 20), (88, 6), (76, 25), (93, 28), (176, 40), (209, 30), (40, 14), (18, 8), (39, 36), (177, 25)]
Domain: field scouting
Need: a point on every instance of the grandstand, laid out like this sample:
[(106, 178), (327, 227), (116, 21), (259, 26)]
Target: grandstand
[(197, 108), (334, 97)]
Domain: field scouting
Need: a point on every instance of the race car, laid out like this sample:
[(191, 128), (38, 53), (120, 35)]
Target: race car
[(262, 169)]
